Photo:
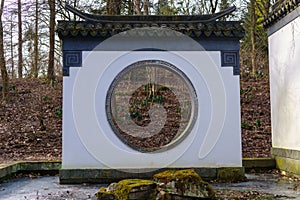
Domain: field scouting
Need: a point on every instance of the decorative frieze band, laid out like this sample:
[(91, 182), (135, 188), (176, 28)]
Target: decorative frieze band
[(71, 59), (74, 59), (231, 59)]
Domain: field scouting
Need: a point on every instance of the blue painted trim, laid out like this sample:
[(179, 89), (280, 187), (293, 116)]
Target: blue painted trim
[(71, 59), (66, 71), (90, 44), (231, 59), (72, 50)]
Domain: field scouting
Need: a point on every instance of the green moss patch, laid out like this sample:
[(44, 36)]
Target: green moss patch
[(184, 183), (170, 175), (104, 193), (231, 175), (127, 186), (129, 189)]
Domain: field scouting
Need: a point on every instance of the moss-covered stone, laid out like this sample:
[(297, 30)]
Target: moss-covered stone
[(170, 175), (184, 183), (231, 175), (135, 187), (170, 184), (105, 194), (129, 189)]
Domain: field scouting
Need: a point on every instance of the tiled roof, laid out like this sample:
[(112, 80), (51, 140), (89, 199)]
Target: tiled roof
[(280, 9), (231, 29), (191, 25)]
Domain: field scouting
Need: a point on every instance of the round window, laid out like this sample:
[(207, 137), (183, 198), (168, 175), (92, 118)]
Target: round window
[(151, 105)]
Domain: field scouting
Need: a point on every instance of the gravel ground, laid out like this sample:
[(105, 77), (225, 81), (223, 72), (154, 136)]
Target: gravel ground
[(266, 185)]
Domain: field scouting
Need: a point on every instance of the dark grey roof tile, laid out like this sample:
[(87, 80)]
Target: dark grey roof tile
[(97, 29), (279, 10)]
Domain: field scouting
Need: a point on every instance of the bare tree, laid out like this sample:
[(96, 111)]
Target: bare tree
[(252, 35), (36, 40), (213, 5), (50, 72), (113, 7), (20, 41), (146, 7), (12, 47), (137, 7), (75, 5), (4, 73)]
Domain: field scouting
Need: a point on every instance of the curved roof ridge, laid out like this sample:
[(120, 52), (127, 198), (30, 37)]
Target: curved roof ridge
[(151, 18)]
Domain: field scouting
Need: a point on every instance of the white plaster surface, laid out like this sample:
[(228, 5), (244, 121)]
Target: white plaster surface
[(89, 142), (284, 60)]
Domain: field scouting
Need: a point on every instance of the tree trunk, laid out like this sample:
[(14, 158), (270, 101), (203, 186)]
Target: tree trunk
[(20, 41), (252, 36), (36, 51), (50, 72), (75, 5), (4, 73), (160, 7), (146, 7), (12, 49), (224, 4), (113, 7), (130, 7), (213, 5), (137, 7)]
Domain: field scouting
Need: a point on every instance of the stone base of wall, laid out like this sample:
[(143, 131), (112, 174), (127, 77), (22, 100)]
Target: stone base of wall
[(287, 160), (67, 176), (28, 167)]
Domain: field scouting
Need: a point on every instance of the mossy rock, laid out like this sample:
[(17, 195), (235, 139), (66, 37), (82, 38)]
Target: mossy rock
[(170, 175), (231, 175), (170, 184), (184, 183), (105, 194), (135, 189), (129, 189)]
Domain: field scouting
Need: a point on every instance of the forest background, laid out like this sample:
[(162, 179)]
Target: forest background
[(31, 65), (30, 48)]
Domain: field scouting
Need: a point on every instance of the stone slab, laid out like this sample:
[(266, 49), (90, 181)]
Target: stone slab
[(288, 165), (288, 153), (7, 170), (252, 163), (77, 175), (112, 175), (287, 160)]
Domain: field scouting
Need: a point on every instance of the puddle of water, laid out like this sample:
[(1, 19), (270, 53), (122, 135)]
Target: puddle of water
[(48, 188)]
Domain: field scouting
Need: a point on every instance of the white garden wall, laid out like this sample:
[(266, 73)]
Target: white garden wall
[(284, 55), (283, 27)]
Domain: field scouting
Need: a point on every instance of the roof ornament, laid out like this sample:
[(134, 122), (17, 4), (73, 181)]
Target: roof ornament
[(151, 18)]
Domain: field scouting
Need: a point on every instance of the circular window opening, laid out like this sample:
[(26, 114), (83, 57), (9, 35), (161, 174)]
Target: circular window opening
[(151, 105)]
